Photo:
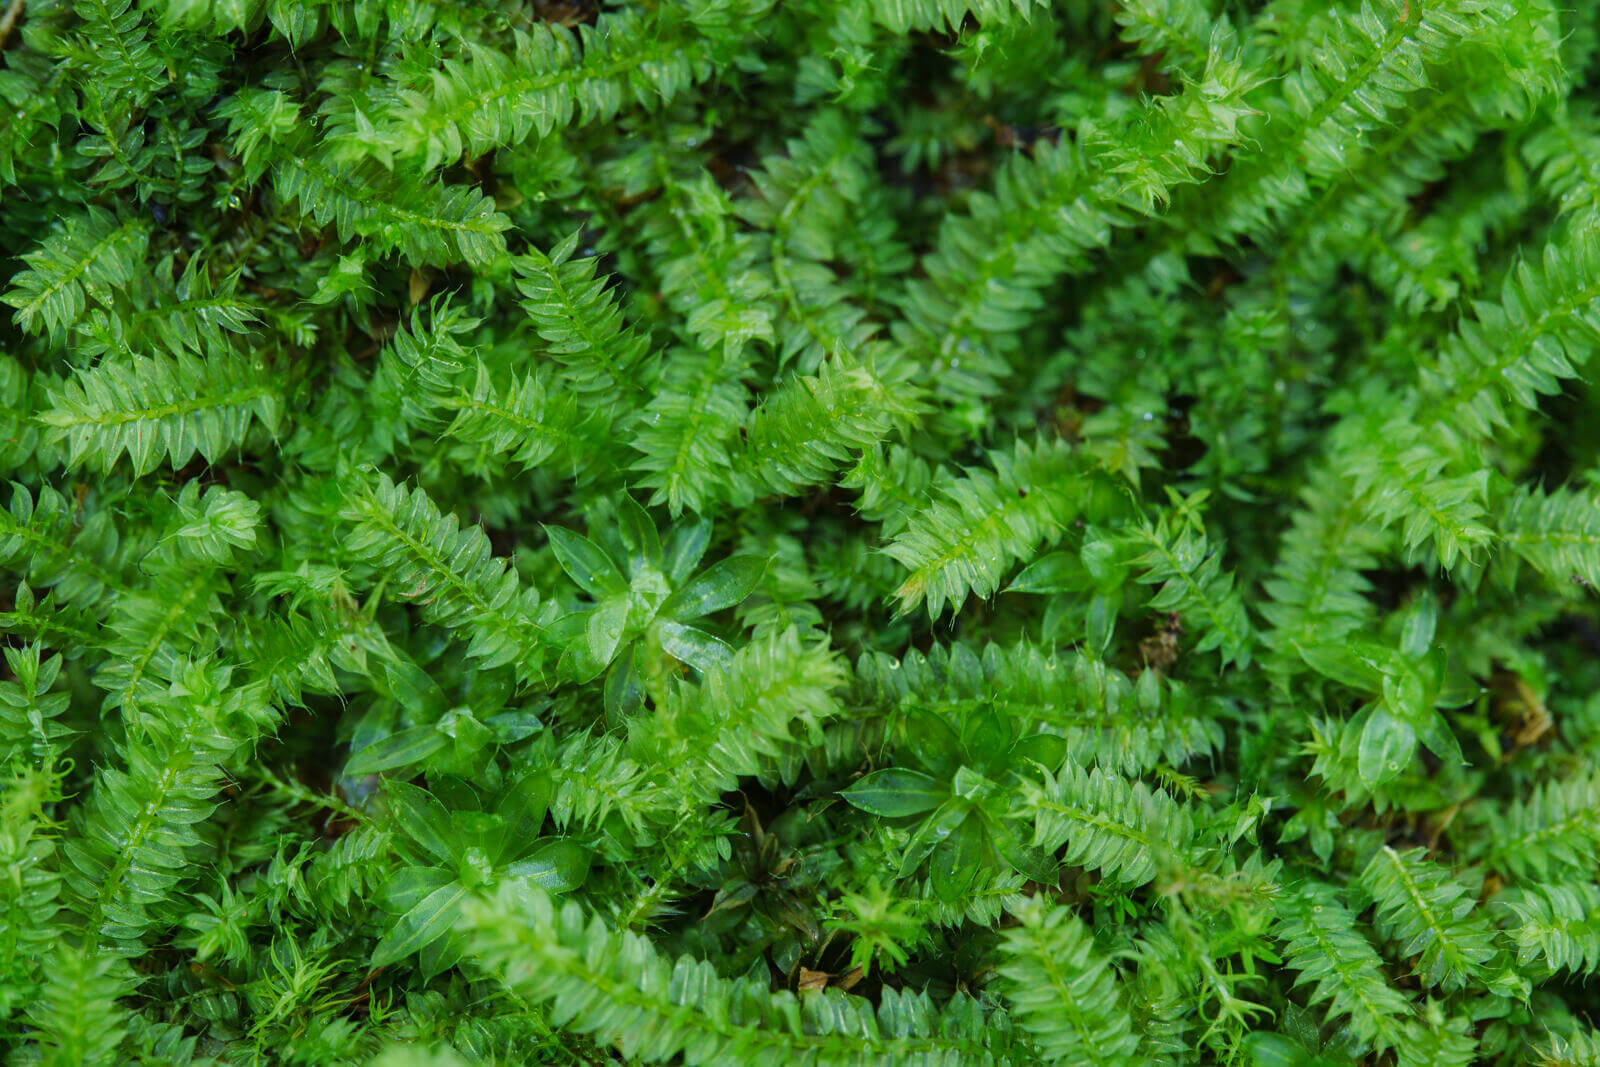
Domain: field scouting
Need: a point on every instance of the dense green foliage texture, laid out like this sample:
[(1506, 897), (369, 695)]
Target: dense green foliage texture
[(800, 532)]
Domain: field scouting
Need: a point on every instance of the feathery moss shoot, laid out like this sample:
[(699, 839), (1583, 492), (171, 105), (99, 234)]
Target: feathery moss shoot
[(800, 532)]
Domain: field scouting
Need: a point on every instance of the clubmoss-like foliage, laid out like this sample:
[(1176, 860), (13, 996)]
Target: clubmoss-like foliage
[(830, 532)]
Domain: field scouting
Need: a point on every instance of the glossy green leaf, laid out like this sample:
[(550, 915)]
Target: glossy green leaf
[(605, 628), (423, 819), (624, 691), (1387, 746), (1031, 861), (585, 563), (406, 888), (685, 546), (1056, 572), (404, 748), (638, 532), (954, 864), (431, 918), (895, 792), (836, 533), (524, 806), (558, 867), (692, 645), (722, 585)]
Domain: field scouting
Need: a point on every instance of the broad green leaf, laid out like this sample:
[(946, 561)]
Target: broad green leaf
[(1100, 622), (1433, 730), (463, 727), (1057, 572), (1387, 745), (585, 563), (423, 819), (1047, 750), (685, 546), (719, 586), (580, 662), (607, 623), (1276, 1050), (932, 832), (1416, 636), (559, 866), (691, 645), (1029, 860), (935, 746), (513, 726), (524, 806), (1406, 696), (406, 888), (954, 865), (970, 785), (638, 533), (1103, 558), (1361, 665), (440, 954), (987, 737), (624, 692), (413, 687), (431, 918), (403, 748), (894, 792)]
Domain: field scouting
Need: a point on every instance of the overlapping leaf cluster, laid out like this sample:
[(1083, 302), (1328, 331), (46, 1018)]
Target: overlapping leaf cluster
[(822, 532)]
